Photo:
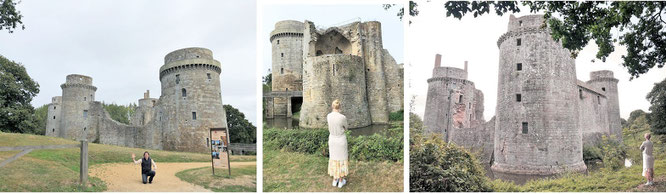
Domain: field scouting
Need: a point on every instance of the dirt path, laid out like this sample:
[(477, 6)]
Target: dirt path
[(658, 186), (125, 177)]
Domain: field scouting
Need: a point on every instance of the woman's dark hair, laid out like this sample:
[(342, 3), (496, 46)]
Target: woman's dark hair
[(144, 153)]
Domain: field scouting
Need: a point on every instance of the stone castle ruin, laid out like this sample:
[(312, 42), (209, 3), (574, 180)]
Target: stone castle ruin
[(544, 114), (190, 104), (311, 67)]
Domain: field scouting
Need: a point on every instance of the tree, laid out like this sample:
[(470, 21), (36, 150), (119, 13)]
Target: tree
[(638, 25), (10, 18), (119, 113), (40, 116), (267, 81), (657, 116), (240, 129), (18, 89)]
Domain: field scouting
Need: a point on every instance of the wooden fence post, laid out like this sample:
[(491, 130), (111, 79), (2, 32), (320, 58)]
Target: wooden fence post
[(84, 164)]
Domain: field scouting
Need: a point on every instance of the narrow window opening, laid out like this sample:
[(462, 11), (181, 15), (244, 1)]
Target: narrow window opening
[(208, 140), (518, 42), (177, 78), (54, 107), (278, 41), (598, 100), (460, 99), (524, 127), (208, 75), (580, 93), (520, 23), (470, 105), (281, 54), (84, 98), (519, 67), (519, 98), (85, 113), (603, 89), (334, 70), (53, 117), (53, 130), (184, 92), (194, 115), (85, 128), (281, 70)]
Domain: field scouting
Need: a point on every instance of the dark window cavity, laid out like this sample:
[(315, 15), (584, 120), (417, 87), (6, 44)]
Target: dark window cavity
[(177, 78), (519, 98), (518, 42), (281, 54), (603, 89), (524, 127), (460, 99), (194, 115), (208, 75), (519, 67), (184, 92), (580, 93)]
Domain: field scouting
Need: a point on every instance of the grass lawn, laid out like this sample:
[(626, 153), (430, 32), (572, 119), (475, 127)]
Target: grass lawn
[(603, 180), (242, 179), (296, 172), (58, 169)]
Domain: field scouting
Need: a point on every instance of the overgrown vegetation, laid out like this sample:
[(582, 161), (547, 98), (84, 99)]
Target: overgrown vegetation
[(437, 166), (657, 116), (18, 89), (120, 113), (375, 147), (397, 116)]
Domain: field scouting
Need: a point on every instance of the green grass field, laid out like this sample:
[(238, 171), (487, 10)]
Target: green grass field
[(58, 169), (242, 179), (297, 172)]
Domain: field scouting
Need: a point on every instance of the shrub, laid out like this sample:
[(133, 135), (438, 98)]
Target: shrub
[(436, 166), (376, 147), (397, 116), (591, 153), (613, 152)]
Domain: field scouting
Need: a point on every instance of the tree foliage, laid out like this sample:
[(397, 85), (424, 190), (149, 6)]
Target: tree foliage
[(10, 18), (40, 116), (637, 25), (18, 89), (120, 113), (240, 129), (657, 116)]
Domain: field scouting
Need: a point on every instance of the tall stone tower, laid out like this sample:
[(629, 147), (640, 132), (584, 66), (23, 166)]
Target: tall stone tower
[(75, 122), (191, 101), (53, 117), (536, 120), (287, 63), (607, 84)]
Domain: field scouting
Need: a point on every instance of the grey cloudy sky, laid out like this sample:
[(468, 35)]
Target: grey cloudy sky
[(475, 40), (122, 44), (325, 15)]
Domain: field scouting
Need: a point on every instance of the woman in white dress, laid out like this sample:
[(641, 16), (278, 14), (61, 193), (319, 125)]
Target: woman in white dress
[(648, 160), (338, 163)]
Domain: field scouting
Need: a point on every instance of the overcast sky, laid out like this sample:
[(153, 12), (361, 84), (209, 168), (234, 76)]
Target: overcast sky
[(325, 15), (475, 40), (121, 44)]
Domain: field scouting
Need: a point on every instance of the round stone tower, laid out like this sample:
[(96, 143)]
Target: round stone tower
[(287, 61), (53, 117), (77, 93), (191, 101), (329, 77), (605, 82), (451, 100), (536, 130)]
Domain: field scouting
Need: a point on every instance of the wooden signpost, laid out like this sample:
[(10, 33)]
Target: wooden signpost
[(219, 149)]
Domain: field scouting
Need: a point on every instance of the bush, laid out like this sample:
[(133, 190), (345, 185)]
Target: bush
[(613, 152), (436, 166), (397, 116), (591, 153), (376, 147)]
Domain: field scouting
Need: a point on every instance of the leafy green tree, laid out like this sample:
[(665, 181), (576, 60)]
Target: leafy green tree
[(657, 116), (10, 18), (40, 119), (120, 113), (637, 25), (240, 129), (267, 82), (634, 115), (18, 89)]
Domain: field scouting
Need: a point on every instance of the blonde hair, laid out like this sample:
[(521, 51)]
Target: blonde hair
[(336, 104), (647, 136)]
